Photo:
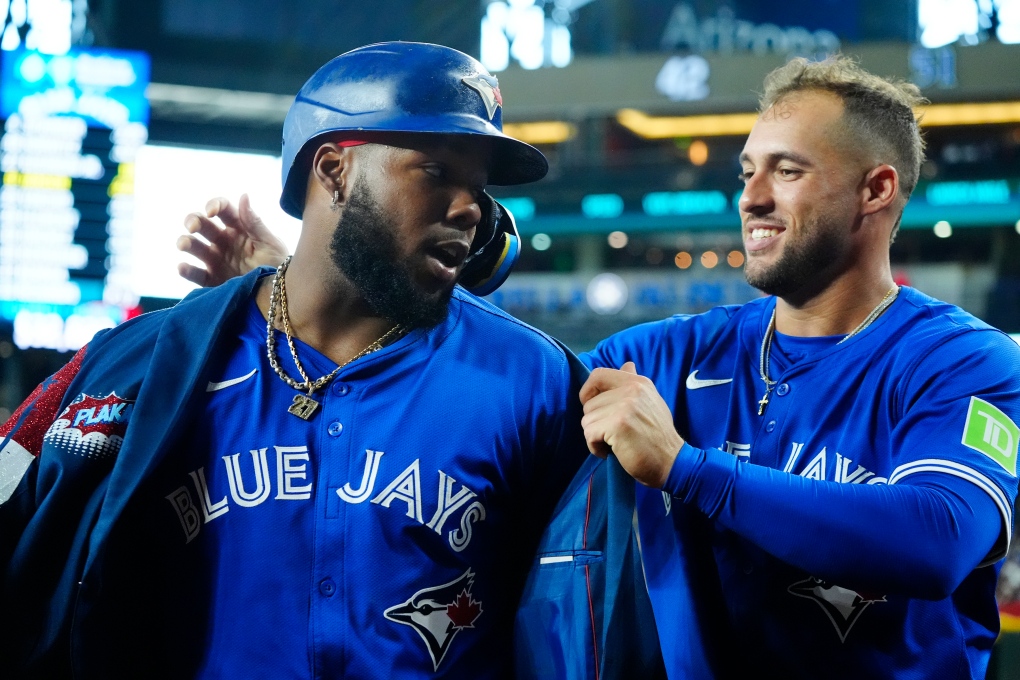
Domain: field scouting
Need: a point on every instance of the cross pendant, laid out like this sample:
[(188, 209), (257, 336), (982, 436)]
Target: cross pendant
[(763, 403), (304, 406)]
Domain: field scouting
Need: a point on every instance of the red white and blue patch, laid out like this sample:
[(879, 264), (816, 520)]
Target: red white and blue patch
[(92, 427), (437, 614)]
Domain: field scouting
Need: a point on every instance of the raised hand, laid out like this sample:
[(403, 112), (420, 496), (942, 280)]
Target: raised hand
[(625, 415), (229, 241)]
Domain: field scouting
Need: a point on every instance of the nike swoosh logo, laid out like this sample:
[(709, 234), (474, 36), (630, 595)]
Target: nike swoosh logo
[(213, 386), (695, 383)]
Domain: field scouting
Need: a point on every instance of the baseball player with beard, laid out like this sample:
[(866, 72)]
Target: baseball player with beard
[(337, 468), (827, 473)]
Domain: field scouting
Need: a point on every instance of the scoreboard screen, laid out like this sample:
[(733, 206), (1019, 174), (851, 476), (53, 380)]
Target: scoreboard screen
[(73, 125)]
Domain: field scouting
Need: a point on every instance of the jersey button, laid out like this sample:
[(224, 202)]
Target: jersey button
[(770, 426), (335, 428), (327, 587), (340, 389), (782, 389)]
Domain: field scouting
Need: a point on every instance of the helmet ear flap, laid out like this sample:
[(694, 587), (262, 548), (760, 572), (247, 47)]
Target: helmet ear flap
[(495, 250)]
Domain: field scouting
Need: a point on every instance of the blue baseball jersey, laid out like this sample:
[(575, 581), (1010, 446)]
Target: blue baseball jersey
[(221, 536), (387, 536), (927, 396)]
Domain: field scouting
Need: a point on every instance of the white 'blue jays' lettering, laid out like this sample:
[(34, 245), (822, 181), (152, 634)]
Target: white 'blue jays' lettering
[(293, 482)]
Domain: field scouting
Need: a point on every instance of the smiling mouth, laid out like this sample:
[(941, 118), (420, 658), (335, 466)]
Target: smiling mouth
[(760, 233)]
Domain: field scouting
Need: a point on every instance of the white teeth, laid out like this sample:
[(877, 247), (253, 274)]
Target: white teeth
[(760, 233)]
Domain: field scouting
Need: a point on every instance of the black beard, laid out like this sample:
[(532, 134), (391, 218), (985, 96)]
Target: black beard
[(799, 266), (364, 248)]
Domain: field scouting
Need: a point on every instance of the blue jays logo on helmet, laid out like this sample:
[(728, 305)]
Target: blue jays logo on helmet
[(438, 614), (401, 87)]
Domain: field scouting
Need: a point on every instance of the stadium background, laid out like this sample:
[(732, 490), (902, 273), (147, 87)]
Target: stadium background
[(120, 117)]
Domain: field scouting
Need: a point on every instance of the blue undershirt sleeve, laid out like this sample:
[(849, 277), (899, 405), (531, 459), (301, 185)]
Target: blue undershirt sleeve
[(918, 539)]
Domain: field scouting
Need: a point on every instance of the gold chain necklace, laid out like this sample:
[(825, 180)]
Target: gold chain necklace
[(770, 331), (303, 405)]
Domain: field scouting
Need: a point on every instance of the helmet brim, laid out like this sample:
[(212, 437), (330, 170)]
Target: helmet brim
[(515, 162)]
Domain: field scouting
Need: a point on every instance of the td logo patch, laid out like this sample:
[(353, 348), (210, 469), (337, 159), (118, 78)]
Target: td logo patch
[(92, 427), (438, 614), (993, 433)]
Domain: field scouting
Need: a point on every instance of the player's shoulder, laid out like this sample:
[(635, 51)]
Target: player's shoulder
[(927, 323), (691, 330), (480, 320)]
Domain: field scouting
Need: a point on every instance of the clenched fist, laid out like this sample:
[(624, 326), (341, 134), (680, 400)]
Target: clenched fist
[(625, 415)]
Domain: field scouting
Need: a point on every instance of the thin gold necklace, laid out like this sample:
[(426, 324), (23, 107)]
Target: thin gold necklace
[(303, 406), (770, 331)]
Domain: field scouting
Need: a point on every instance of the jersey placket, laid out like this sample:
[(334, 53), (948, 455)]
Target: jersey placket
[(338, 465), (767, 448)]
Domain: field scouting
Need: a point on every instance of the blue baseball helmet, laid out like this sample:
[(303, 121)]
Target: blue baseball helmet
[(401, 87)]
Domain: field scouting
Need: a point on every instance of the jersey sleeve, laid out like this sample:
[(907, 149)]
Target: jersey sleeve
[(959, 408), (21, 437), (919, 540)]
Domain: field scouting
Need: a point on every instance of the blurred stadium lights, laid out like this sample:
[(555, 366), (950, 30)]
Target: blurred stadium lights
[(698, 152), (41, 25), (522, 208), (601, 206), (607, 293), (541, 132), (534, 33), (665, 127), (541, 242), (709, 259), (988, 113), (942, 22)]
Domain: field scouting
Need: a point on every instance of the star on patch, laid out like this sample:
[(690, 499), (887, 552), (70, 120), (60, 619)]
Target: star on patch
[(488, 88)]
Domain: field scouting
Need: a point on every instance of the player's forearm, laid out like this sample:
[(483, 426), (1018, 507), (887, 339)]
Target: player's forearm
[(919, 541)]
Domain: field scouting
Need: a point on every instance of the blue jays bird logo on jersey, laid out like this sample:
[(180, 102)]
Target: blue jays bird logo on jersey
[(842, 605), (437, 614), (92, 427)]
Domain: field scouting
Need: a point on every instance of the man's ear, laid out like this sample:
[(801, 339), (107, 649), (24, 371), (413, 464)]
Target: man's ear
[(880, 189), (330, 169)]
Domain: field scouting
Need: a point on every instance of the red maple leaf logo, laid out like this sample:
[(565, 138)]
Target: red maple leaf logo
[(464, 610)]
